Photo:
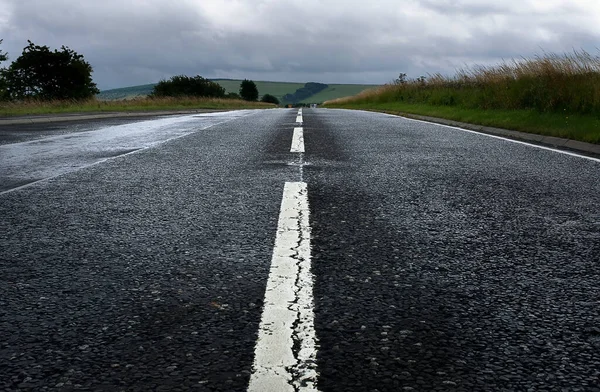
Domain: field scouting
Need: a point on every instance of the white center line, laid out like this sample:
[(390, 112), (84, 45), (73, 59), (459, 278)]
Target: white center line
[(285, 352), (298, 140), (299, 118)]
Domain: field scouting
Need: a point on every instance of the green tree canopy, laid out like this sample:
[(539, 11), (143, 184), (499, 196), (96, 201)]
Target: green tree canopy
[(248, 90), (3, 56), (3, 92), (270, 99), (182, 85), (45, 74)]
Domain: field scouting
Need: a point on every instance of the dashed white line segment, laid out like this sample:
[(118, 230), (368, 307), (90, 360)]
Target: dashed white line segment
[(285, 352), (298, 140)]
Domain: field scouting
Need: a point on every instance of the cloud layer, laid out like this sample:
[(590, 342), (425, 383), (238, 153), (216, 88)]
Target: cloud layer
[(131, 42)]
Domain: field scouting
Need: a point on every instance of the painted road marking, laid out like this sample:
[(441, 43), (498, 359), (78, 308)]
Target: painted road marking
[(299, 119), (285, 352), (507, 139), (298, 140)]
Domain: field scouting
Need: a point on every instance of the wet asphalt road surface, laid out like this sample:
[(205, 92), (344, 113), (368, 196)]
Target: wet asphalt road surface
[(442, 260)]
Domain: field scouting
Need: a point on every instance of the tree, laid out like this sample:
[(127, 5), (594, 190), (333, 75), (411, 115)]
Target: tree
[(182, 85), (3, 92), (3, 56), (248, 90), (268, 98), (44, 74)]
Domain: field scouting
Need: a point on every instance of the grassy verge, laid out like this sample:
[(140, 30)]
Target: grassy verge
[(576, 127), (133, 105), (554, 95)]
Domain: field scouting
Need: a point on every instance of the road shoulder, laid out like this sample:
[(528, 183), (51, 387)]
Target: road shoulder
[(50, 118), (549, 141)]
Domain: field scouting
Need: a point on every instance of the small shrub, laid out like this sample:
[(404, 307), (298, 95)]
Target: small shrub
[(268, 98)]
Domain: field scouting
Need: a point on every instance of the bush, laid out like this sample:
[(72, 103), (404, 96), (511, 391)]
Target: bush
[(233, 96), (47, 75), (180, 86), (268, 98), (248, 90)]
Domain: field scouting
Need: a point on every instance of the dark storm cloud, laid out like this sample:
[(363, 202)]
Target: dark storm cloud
[(140, 41)]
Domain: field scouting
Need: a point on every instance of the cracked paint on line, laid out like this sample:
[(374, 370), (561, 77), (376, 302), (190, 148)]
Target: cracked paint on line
[(298, 140), (285, 353)]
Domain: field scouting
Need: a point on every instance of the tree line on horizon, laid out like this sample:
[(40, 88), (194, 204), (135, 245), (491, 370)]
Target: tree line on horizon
[(42, 74)]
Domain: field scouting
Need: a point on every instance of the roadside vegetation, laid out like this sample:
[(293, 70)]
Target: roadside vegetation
[(556, 95), (33, 107), (268, 98)]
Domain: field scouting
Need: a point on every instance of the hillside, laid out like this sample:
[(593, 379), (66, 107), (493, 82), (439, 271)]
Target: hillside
[(337, 91), (278, 89), (126, 92)]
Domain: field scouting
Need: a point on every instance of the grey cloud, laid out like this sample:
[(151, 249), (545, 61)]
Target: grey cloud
[(328, 41)]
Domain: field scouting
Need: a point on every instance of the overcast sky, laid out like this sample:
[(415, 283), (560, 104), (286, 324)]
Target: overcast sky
[(131, 42)]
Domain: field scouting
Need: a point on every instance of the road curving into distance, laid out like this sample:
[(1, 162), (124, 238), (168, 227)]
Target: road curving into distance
[(324, 250)]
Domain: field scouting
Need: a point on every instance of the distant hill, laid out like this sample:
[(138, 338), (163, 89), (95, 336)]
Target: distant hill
[(126, 92), (335, 91), (278, 89)]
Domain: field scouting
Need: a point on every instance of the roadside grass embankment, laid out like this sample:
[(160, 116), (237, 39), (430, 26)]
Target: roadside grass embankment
[(552, 95), (33, 107)]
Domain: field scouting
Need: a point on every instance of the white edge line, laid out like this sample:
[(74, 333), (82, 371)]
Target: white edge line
[(298, 140), (288, 316), (109, 159), (505, 138)]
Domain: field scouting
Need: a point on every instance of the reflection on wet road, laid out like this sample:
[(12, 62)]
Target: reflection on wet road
[(31, 161)]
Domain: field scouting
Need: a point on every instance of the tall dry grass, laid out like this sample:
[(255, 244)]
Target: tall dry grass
[(546, 83)]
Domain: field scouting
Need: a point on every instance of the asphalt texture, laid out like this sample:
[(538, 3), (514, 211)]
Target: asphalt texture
[(443, 260)]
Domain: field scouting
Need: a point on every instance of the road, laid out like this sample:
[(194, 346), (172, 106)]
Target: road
[(330, 250)]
